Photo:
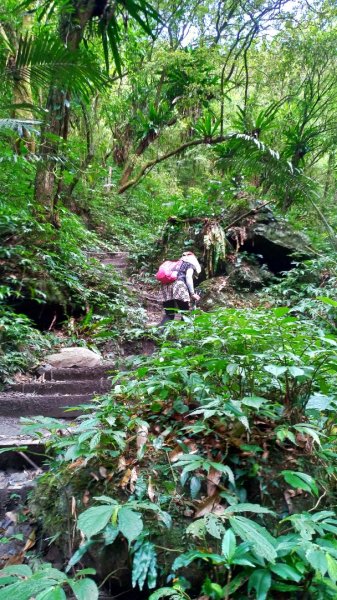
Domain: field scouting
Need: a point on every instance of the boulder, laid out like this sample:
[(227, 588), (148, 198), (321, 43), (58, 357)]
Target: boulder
[(245, 272), (74, 357), (218, 292), (264, 239), (275, 243)]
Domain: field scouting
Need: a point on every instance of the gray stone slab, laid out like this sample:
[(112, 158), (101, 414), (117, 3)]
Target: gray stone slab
[(91, 386), (23, 405), (78, 374)]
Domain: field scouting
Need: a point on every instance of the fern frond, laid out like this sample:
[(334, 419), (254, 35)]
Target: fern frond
[(252, 158), (44, 59), (19, 125)]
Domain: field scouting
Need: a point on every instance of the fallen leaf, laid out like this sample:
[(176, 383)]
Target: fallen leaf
[(142, 435), (265, 454), (86, 497), (12, 515), (206, 506), (288, 494), (121, 464), (16, 560), (133, 479), (218, 509), (76, 463), (150, 490), (213, 479), (175, 454), (31, 541), (125, 479), (103, 472)]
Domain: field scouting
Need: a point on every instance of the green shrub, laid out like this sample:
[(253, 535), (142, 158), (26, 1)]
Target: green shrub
[(210, 434), (20, 343)]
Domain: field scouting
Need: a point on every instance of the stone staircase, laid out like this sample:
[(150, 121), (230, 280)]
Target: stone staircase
[(49, 395)]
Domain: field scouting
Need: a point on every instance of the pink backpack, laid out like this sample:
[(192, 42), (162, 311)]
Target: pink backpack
[(168, 271)]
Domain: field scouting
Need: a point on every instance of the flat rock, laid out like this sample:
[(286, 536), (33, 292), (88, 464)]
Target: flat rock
[(74, 357), (14, 404)]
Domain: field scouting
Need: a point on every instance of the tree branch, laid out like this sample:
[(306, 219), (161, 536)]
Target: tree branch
[(151, 163)]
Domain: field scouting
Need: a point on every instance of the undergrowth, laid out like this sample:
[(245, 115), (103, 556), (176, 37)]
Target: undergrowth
[(43, 266), (21, 344), (225, 440)]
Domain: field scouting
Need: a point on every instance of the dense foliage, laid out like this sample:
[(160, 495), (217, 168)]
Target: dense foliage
[(222, 434)]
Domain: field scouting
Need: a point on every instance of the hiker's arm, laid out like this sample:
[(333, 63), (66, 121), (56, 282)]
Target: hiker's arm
[(189, 281)]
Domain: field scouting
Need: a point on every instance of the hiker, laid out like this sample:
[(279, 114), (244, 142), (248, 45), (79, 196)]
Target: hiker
[(178, 294)]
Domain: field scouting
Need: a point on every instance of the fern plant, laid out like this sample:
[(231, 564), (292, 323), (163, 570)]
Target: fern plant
[(273, 173), (41, 59)]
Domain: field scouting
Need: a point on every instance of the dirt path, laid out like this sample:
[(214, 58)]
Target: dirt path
[(146, 293)]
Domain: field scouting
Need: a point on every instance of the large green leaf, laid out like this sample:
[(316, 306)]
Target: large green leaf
[(319, 402), (260, 581), (317, 559), (275, 370), (286, 572), (94, 519), (327, 300), (76, 557), (228, 545), (301, 481), (84, 589), (43, 58), (52, 593), (22, 590), (130, 523), (166, 592), (144, 565), (247, 507), (21, 570), (262, 542), (214, 526), (332, 567)]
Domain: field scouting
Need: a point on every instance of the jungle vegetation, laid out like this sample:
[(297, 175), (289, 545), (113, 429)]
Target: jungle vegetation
[(211, 464)]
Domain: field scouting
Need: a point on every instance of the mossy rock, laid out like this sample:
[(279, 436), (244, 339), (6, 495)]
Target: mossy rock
[(218, 292)]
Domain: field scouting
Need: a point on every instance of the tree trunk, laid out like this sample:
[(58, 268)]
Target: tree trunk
[(55, 128), (142, 146), (47, 186), (329, 175)]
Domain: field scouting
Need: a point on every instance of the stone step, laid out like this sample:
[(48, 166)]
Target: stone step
[(84, 386), (120, 260), (49, 405), (77, 373), (14, 488), (12, 436), (10, 428)]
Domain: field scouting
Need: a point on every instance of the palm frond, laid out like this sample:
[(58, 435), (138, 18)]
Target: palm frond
[(109, 25), (24, 106), (44, 59), (252, 158), (19, 126)]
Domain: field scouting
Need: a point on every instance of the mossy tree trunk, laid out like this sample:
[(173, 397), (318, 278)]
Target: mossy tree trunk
[(48, 180)]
